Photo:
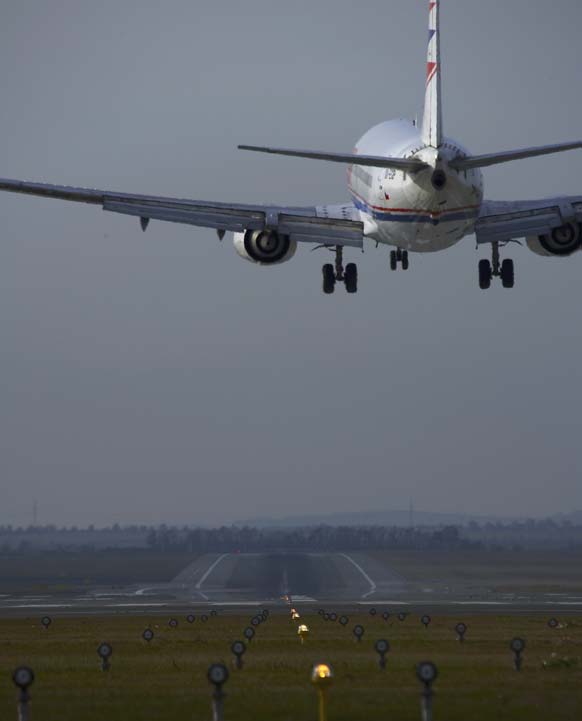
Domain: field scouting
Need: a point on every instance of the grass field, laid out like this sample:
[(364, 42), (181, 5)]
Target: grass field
[(167, 679), (503, 571)]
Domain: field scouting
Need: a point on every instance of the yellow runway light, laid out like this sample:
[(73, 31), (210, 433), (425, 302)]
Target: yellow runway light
[(302, 632), (322, 679)]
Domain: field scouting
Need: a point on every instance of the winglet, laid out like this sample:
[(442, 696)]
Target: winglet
[(432, 126)]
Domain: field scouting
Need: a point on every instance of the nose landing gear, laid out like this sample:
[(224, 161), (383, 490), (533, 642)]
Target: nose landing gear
[(496, 269), (398, 256), (337, 273)]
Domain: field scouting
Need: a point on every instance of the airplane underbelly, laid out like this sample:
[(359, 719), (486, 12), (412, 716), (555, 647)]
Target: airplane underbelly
[(415, 217), (424, 237)]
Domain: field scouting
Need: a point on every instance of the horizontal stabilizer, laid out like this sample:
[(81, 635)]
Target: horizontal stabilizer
[(410, 165), (483, 161)]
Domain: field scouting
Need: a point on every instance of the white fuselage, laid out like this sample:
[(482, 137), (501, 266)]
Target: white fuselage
[(411, 210)]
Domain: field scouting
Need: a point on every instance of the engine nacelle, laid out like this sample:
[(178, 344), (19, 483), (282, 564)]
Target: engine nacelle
[(561, 242), (265, 247)]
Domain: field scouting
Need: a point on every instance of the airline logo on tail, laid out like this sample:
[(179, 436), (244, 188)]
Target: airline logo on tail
[(432, 64), (432, 124)]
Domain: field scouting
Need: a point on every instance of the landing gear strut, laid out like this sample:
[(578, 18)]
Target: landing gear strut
[(398, 256), (337, 273), (496, 269)]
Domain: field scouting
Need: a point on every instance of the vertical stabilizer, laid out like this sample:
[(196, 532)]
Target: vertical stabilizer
[(432, 126)]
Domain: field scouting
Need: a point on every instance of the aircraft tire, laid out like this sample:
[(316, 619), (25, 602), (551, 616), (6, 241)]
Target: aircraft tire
[(485, 274), (351, 278), (404, 260), (328, 278), (507, 273), (393, 260)]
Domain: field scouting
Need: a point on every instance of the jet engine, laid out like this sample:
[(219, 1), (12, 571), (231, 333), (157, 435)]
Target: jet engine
[(562, 241), (265, 247)]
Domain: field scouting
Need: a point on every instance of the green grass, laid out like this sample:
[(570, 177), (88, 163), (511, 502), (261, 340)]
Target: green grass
[(167, 679)]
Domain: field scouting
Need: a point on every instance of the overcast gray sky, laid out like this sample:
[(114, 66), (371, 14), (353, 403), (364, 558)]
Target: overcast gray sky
[(157, 377)]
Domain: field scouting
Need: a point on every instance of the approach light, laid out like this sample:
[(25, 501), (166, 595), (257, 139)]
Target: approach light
[(238, 648), (23, 677), (303, 632), (426, 672), (461, 629), (148, 635), (217, 674), (322, 675), (517, 645), (382, 647), (104, 650)]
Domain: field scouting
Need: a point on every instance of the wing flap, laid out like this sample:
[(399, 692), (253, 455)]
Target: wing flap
[(323, 231), (502, 221), (325, 225), (207, 216)]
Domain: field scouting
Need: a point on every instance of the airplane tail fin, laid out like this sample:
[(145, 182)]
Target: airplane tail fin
[(432, 126)]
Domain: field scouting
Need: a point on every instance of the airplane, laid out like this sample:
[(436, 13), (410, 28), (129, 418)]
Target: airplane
[(412, 188)]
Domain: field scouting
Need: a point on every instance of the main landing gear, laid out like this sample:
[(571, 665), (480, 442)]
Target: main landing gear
[(496, 269), (337, 273), (398, 256)]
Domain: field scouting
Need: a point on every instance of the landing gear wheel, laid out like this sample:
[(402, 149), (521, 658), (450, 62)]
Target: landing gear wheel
[(328, 273), (485, 274), (351, 278), (404, 260), (507, 273), (393, 260)]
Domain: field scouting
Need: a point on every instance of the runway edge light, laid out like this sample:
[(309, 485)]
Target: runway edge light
[(322, 679)]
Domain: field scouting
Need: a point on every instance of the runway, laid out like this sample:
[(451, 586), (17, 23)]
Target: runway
[(232, 581)]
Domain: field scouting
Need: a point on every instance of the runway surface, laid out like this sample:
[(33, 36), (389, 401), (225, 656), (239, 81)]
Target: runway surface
[(233, 581)]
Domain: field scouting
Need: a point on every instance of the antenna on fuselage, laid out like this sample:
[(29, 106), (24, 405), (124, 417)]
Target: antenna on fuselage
[(432, 124)]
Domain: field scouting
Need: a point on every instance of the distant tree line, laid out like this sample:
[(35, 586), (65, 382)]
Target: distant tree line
[(516, 535), (319, 538)]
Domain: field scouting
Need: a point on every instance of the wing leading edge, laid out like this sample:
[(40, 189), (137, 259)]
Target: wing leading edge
[(325, 225)]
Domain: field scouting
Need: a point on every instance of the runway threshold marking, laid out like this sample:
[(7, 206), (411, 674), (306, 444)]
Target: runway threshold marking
[(364, 574)]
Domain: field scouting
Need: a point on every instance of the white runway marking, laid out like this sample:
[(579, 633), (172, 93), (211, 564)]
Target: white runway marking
[(210, 569), (364, 574), (41, 605), (133, 605)]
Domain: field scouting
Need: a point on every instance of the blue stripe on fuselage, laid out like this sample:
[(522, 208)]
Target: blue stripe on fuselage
[(387, 216)]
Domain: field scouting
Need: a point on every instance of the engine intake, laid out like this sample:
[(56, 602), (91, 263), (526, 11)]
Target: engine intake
[(266, 247), (562, 241)]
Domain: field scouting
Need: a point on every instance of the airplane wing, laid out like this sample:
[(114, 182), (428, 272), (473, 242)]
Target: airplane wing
[(501, 221), (324, 225)]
